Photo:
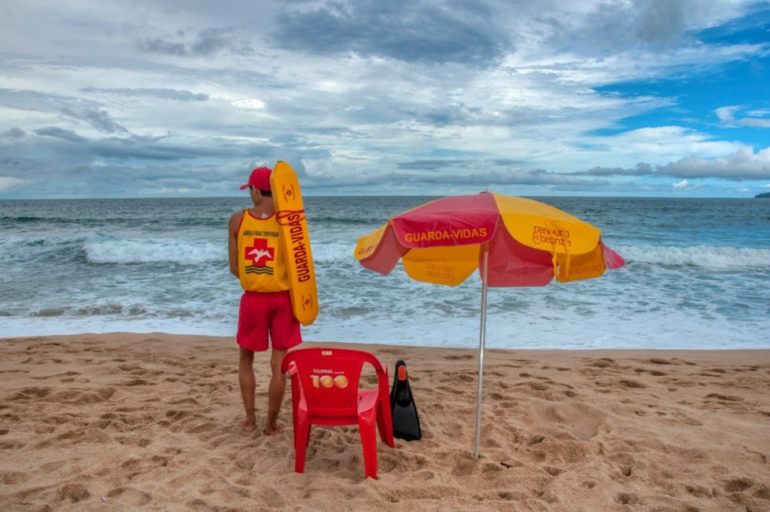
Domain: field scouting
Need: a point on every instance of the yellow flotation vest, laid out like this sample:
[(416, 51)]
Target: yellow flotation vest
[(261, 260)]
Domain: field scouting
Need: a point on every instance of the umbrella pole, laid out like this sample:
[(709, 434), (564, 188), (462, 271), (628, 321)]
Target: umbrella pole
[(482, 341)]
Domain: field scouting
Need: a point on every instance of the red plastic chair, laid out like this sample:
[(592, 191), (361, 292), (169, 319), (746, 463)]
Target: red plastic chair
[(324, 391)]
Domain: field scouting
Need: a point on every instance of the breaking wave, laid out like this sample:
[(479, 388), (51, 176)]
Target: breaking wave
[(703, 256), (154, 251)]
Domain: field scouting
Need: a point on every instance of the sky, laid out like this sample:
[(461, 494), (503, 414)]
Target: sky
[(182, 98)]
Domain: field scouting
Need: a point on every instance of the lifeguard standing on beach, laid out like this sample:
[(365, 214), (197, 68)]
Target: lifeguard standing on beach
[(265, 317)]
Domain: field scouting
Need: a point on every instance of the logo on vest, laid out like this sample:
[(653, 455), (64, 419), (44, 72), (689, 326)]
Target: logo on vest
[(259, 255)]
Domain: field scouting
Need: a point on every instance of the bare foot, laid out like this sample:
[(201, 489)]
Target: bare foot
[(249, 425), (271, 431)]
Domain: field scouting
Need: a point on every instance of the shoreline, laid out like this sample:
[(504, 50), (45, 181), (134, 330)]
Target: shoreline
[(399, 344), (122, 420)]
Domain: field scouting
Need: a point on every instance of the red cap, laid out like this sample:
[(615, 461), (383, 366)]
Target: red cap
[(259, 179)]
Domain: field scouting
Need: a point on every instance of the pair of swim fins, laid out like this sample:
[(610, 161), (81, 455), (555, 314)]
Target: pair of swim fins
[(406, 423)]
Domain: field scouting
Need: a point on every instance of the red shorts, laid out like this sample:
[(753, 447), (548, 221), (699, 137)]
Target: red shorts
[(263, 313)]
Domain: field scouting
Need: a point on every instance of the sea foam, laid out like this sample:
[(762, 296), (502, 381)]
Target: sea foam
[(154, 250), (704, 256)]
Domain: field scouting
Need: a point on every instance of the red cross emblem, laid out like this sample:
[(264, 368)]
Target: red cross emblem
[(260, 253)]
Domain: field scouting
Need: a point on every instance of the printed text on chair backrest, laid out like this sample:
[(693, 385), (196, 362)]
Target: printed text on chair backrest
[(329, 378)]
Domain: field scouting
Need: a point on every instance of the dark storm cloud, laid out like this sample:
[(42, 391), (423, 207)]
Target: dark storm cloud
[(413, 31), (204, 43), (164, 94)]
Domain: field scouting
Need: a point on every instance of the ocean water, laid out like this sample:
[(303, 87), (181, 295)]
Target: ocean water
[(697, 276)]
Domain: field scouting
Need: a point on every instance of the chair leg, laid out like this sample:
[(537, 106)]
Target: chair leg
[(385, 423), (301, 439), (369, 445), (385, 426)]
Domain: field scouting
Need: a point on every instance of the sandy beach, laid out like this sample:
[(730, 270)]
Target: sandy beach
[(150, 422)]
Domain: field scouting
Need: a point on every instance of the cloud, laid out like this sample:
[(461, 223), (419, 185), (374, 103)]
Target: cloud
[(406, 96), (727, 114), (71, 107), (430, 165), (202, 43), (753, 118), (61, 133), (754, 122), (641, 169), (662, 21), (468, 178), (742, 165), (136, 147), (99, 119), (160, 93), (406, 30), (13, 133), (609, 28), (8, 183)]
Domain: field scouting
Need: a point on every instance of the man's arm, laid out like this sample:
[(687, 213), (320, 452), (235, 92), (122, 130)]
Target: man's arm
[(232, 241)]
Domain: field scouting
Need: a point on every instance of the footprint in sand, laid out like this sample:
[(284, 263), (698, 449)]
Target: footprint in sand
[(63, 374), (738, 485), (73, 492), (31, 393), (628, 383), (656, 360), (13, 477), (604, 362), (724, 398), (579, 420), (138, 441), (83, 397), (129, 496), (625, 498)]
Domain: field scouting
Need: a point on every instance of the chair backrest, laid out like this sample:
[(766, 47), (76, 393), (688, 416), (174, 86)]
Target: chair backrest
[(329, 379)]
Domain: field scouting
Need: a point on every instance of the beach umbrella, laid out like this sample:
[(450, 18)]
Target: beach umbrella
[(512, 241)]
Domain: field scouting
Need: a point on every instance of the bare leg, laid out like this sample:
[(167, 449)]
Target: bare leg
[(275, 392), (248, 387)]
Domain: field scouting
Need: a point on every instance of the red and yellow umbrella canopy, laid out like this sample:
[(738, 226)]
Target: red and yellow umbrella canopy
[(528, 242)]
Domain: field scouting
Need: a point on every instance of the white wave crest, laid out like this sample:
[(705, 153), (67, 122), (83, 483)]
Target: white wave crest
[(704, 256), (330, 252), (154, 251)]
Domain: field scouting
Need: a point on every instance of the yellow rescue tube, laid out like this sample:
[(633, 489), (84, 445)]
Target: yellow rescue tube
[(295, 237)]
